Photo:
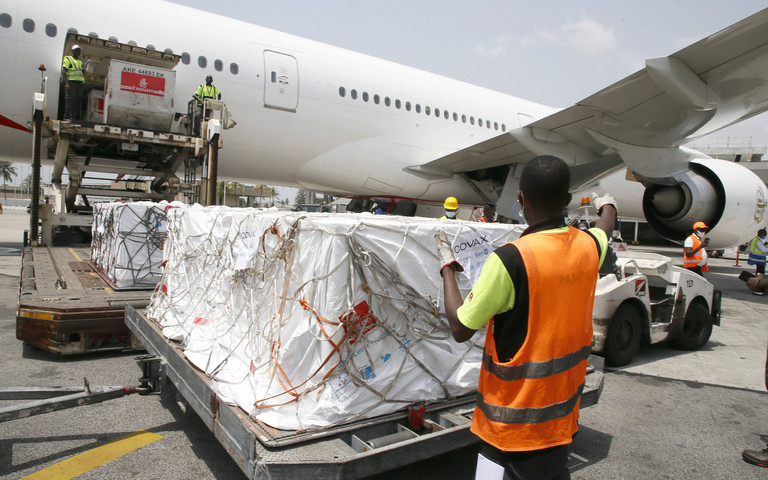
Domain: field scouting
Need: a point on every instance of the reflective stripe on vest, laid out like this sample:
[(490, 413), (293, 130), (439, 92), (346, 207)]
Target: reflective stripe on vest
[(532, 401), (693, 260), (756, 256), (535, 369), (74, 70), (530, 415)]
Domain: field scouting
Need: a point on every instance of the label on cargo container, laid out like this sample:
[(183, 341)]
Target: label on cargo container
[(471, 250), (142, 82), (359, 322)]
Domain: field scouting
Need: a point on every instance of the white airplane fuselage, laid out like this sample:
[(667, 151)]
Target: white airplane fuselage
[(328, 142)]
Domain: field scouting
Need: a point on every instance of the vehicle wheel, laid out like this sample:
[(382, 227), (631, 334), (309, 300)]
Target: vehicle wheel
[(696, 329), (624, 336)]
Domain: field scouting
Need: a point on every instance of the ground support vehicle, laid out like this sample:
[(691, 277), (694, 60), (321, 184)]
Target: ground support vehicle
[(66, 307), (353, 450), (647, 299), (130, 128)]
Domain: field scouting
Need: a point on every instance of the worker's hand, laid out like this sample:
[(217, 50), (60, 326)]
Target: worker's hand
[(445, 252), (600, 202), (752, 282)]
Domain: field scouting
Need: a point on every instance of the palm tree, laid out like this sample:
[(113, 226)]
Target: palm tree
[(26, 184), (8, 172)]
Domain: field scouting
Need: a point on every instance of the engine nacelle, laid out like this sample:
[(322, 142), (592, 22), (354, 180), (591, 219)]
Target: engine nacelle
[(729, 198)]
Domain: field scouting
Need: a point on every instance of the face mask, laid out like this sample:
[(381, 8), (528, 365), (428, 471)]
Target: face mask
[(702, 235), (450, 214)]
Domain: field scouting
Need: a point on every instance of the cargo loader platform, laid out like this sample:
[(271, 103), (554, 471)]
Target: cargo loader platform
[(66, 307), (347, 451)]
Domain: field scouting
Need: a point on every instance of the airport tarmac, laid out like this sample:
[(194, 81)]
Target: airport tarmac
[(669, 414)]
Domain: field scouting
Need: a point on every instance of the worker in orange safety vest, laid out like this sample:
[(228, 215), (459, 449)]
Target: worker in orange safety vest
[(695, 249), (536, 296), (489, 213)]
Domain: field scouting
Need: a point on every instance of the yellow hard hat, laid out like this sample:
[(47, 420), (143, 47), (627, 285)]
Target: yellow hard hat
[(451, 203)]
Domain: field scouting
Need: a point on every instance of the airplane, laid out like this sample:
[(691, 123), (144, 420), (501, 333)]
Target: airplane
[(328, 119)]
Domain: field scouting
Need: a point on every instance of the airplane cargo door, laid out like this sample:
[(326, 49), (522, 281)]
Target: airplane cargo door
[(281, 81)]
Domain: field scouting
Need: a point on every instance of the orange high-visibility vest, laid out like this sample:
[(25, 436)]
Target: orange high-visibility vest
[(532, 401), (693, 261)]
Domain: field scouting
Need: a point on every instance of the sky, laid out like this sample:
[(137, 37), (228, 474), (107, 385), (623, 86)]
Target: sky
[(551, 52)]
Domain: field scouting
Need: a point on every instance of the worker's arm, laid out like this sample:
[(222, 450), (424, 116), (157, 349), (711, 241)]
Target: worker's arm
[(453, 301), (64, 69), (689, 251), (757, 283), (607, 212)]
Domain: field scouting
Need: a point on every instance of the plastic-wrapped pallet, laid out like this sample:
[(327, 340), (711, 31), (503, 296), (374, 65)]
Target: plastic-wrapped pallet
[(310, 320), (127, 241)]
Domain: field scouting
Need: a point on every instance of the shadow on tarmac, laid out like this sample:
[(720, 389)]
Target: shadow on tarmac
[(589, 447)]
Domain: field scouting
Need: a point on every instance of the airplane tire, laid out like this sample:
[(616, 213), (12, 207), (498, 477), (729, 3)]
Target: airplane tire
[(696, 329), (624, 336)]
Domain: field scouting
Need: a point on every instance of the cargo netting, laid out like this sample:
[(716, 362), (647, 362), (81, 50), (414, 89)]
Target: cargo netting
[(127, 242), (311, 320)]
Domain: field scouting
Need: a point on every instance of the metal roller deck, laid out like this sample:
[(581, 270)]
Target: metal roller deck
[(355, 450)]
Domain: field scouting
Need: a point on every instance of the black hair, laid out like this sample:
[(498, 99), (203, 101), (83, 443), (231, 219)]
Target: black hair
[(761, 232), (545, 181)]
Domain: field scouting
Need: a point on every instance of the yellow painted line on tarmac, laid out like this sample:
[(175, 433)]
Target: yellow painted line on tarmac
[(74, 254), (87, 461)]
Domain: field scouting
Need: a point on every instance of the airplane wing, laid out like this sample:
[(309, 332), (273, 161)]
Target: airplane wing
[(642, 119)]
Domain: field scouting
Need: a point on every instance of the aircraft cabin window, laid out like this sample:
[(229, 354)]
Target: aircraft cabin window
[(437, 112), (218, 65), (150, 47), (365, 96), (72, 30), (112, 39), (408, 106), (133, 43), (427, 110), (398, 104), (455, 117), (273, 77), (185, 58), (353, 94), (480, 122), (418, 108), (471, 120), (202, 61), (387, 101), (445, 114), (503, 128), (168, 50), (5, 20), (93, 34), (495, 125), (463, 118), (28, 25), (51, 30), (233, 68), (342, 92), (487, 124), (376, 99)]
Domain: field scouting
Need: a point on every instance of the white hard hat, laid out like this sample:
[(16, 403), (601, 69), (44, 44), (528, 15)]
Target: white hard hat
[(76, 47)]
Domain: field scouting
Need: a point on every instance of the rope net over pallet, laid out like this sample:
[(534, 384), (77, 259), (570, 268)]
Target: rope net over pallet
[(127, 241), (311, 320)]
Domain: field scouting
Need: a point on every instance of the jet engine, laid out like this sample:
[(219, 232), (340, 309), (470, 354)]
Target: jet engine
[(729, 198)]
